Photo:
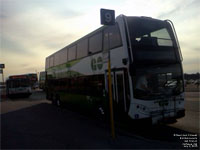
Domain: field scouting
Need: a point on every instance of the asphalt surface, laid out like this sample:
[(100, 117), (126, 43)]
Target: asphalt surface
[(34, 123), (191, 120)]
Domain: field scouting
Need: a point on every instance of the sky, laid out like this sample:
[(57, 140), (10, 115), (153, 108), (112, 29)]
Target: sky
[(31, 30)]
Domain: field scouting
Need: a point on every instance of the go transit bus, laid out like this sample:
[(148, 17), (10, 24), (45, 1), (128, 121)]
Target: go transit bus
[(18, 85), (146, 70)]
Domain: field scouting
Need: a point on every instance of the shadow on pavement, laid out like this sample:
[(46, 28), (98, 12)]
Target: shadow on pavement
[(45, 126)]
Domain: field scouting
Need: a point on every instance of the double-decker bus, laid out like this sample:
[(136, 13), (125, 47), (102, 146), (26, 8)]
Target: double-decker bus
[(18, 85), (146, 70)]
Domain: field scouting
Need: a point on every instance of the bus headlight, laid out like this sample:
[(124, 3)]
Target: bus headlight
[(141, 108)]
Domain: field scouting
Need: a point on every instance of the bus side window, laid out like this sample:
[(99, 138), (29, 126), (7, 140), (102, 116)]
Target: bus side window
[(57, 58), (82, 48), (63, 56), (114, 37), (95, 43), (51, 61), (47, 63), (72, 53)]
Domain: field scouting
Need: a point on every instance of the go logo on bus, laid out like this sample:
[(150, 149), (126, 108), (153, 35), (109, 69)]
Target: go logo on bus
[(97, 63)]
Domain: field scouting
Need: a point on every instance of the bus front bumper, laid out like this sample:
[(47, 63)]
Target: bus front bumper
[(167, 116)]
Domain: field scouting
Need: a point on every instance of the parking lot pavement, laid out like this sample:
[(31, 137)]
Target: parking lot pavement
[(46, 126), (35, 123), (191, 121), (9, 105)]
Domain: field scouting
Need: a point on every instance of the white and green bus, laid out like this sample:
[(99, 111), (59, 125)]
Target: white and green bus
[(146, 70)]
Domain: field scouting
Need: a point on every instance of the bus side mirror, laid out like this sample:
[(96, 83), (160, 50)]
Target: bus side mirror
[(132, 69)]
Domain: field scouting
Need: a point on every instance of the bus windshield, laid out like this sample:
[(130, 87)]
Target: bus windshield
[(152, 40), (157, 81), (16, 83)]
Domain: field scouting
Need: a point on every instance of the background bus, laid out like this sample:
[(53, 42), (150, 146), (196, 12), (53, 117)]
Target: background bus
[(18, 85), (42, 80), (141, 49)]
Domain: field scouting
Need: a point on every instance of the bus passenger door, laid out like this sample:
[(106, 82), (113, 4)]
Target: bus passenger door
[(119, 93)]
